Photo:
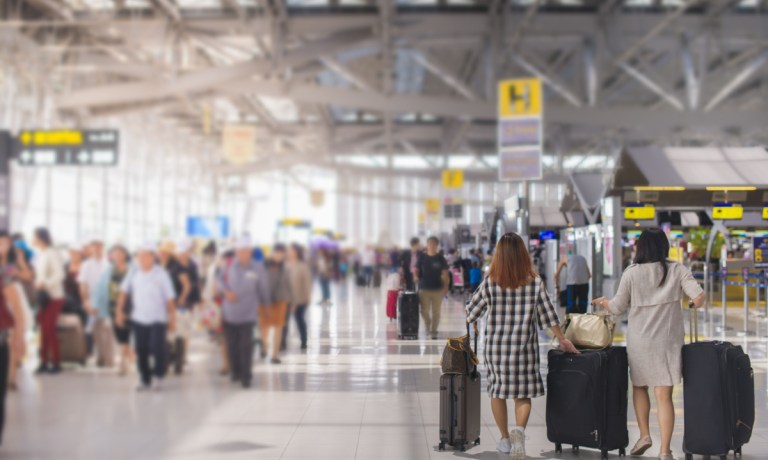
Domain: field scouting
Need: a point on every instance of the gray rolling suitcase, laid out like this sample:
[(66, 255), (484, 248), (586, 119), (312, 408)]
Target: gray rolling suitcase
[(460, 408)]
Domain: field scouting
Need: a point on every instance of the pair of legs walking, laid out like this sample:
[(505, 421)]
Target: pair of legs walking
[(239, 346), (150, 343), (514, 441), (301, 324), (431, 304), (666, 414)]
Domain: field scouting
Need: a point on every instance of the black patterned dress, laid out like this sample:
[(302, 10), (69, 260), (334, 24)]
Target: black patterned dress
[(514, 318)]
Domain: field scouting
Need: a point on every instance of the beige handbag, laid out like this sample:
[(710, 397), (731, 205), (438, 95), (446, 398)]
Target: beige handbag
[(589, 330)]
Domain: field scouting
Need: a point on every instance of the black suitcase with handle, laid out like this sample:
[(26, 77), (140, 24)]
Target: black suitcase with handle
[(718, 397), (587, 400), (460, 408), (408, 315)]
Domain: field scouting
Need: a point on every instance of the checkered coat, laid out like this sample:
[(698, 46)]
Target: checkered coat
[(511, 336)]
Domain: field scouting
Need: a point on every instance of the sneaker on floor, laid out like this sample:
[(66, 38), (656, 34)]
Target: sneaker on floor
[(517, 438), (504, 446), (55, 369), (275, 361), (42, 369)]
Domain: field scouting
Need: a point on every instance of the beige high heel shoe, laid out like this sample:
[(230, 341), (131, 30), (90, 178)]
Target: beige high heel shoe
[(641, 446)]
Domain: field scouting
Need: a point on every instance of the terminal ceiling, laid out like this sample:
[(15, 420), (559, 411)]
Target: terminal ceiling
[(396, 87)]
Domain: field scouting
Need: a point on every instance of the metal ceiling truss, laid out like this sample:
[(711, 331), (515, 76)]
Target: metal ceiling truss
[(688, 73)]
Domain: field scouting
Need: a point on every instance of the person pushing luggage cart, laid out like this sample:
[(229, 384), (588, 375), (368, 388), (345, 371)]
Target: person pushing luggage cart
[(514, 298)]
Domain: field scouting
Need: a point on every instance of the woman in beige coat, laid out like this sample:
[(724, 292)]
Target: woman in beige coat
[(301, 287), (652, 289)]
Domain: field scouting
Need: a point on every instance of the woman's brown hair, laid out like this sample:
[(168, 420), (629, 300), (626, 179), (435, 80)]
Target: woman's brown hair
[(511, 266)]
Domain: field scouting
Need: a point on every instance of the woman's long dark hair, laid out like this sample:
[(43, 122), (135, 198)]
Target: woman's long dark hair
[(653, 246)]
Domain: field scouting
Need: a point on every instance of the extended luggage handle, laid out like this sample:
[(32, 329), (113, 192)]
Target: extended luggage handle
[(473, 374), (693, 322)]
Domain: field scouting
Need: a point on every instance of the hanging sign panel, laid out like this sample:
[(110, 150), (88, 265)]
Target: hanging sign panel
[(239, 143), (90, 147), (520, 129), (453, 178)]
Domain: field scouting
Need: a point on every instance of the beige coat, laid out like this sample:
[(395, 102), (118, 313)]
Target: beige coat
[(656, 330), (301, 283)]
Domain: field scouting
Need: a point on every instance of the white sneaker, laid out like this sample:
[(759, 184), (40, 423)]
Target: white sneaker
[(518, 444), (504, 446)]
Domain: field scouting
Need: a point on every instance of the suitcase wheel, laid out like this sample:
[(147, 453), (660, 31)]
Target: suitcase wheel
[(737, 452), (688, 457), (622, 452), (441, 446), (604, 454), (477, 441), (723, 457), (575, 449), (558, 448)]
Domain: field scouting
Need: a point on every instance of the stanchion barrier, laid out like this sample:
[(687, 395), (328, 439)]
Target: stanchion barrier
[(723, 280), (745, 277)]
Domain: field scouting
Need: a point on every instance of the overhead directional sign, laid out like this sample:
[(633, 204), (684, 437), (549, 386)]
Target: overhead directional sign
[(520, 129), (640, 213), (453, 178), (727, 213), (208, 227), (98, 147)]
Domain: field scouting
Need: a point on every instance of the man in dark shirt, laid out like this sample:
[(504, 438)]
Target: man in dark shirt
[(432, 276), (408, 262)]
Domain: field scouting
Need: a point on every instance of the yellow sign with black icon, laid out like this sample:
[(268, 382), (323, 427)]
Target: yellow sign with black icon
[(640, 213), (432, 206), (727, 213), (453, 178), (520, 97), (765, 213)]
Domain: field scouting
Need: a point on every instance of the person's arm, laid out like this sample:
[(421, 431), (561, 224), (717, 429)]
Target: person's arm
[(23, 272), (546, 317), (11, 293), (557, 274), (621, 301), (170, 295), (589, 273), (85, 293), (264, 288), (478, 304), (223, 286), (186, 288)]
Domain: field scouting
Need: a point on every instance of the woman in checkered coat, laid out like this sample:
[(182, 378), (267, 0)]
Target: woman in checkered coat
[(517, 307)]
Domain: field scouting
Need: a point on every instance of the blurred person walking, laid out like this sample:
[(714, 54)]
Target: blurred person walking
[(245, 286), (186, 283), (13, 268), (99, 321), (301, 290), (153, 315), (11, 330), (73, 299), (408, 263), (368, 264), (324, 275), (49, 286), (106, 298), (432, 276), (272, 317), (577, 281)]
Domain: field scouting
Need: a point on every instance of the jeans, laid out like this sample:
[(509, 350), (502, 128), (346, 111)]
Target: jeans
[(368, 274), (301, 324), (150, 341), (325, 287), (48, 317), (239, 338), (577, 298)]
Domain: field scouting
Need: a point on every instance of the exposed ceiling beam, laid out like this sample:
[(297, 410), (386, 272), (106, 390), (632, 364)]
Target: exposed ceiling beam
[(741, 77), (445, 74)]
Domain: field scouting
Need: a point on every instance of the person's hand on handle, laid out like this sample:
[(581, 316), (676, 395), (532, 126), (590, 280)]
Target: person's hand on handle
[(601, 302), (568, 347)]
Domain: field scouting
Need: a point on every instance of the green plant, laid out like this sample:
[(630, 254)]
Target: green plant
[(699, 238)]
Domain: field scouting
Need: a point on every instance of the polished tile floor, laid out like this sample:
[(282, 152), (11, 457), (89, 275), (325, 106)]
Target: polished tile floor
[(357, 393)]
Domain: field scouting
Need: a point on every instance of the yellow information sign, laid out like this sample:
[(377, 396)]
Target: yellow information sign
[(520, 97), (54, 137), (432, 206), (758, 256), (453, 178), (765, 213), (640, 213), (728, 213)]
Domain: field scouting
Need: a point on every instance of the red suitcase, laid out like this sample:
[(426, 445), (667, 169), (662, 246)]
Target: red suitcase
[(392, 304)]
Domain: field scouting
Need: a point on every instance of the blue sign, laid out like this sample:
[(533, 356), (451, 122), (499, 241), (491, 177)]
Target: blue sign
[(760, 251), (547, 235), (208, 227)]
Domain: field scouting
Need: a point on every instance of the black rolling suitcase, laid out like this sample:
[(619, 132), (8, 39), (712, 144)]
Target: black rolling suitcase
[(718, 397), (408, 315), (587, 400), (460, 408)]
